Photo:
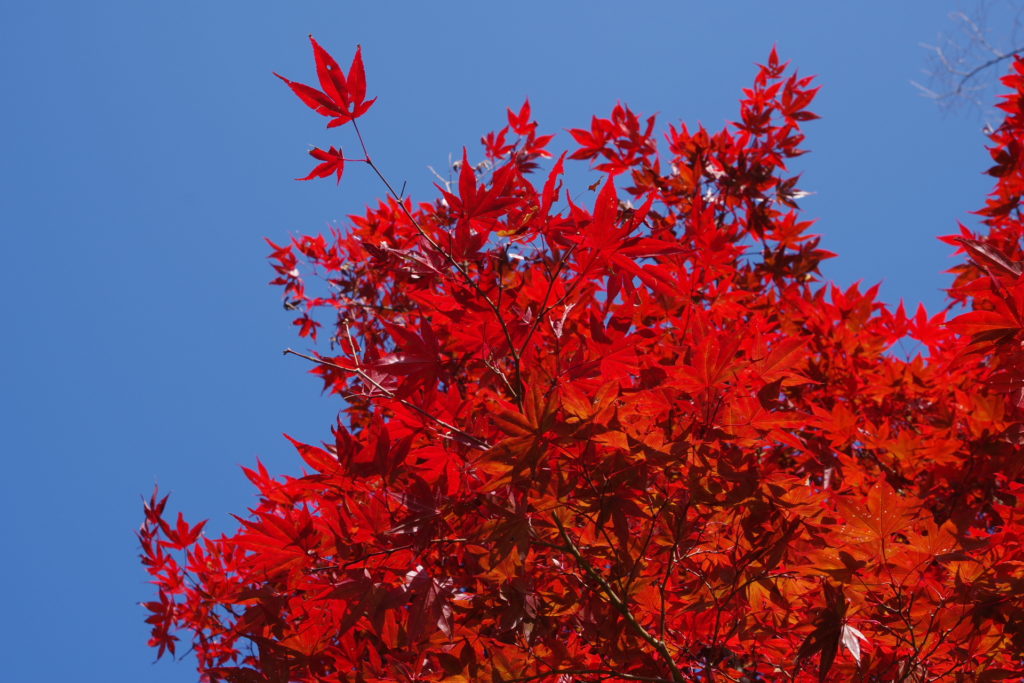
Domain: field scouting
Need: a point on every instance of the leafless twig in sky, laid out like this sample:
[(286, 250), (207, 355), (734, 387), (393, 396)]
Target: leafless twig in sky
[(965, 64)]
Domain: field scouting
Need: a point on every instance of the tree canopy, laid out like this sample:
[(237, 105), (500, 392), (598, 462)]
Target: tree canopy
[(624, 433)]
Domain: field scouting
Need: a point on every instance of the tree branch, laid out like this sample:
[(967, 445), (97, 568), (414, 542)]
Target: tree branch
[(480, 443), (518, 395), (619, 603)]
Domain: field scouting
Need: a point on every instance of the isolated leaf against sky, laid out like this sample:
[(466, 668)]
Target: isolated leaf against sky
[(342, 99), (333, 163)]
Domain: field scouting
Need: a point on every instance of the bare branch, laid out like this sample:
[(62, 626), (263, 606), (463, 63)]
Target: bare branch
[(964, 64)]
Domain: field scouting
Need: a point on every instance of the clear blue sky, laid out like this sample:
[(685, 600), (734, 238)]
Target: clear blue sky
[(147, 150)]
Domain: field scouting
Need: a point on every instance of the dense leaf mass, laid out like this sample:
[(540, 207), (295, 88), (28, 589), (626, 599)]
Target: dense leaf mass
[(626, 434)]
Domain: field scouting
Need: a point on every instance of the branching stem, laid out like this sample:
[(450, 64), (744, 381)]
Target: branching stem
[(618, 602), (518, 394), (476, 440)]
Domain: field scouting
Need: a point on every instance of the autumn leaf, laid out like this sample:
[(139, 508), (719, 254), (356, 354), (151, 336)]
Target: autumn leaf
[(850, 639), (333, 162), (342, 99)]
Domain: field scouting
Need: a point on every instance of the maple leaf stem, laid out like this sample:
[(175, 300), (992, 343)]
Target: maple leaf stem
[(481, 443), (618, 602), (497, 371)]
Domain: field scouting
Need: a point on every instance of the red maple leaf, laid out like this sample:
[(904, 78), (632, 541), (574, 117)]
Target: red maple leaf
[(343, 99), (333, 161)]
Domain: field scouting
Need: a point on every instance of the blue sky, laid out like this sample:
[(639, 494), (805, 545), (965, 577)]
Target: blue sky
[(148, 151)]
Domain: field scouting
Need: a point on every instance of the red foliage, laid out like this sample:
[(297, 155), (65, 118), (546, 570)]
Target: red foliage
[(627, 439)]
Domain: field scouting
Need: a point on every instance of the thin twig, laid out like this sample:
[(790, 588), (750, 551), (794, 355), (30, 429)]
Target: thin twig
[(618, 602), (518, 396), (480, 443)]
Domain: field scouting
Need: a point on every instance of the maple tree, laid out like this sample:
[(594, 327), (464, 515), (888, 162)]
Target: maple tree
[(626, 438)]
